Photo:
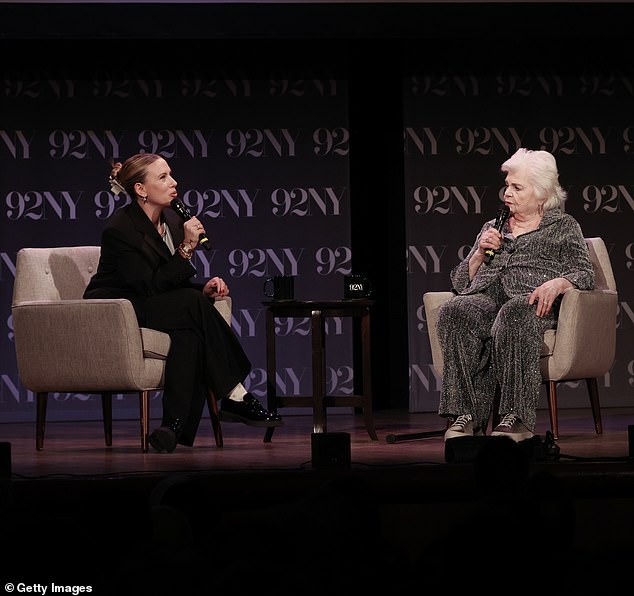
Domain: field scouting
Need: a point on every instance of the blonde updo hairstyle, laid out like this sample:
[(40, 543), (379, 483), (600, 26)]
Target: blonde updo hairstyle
[(541, 170), (134, 169)]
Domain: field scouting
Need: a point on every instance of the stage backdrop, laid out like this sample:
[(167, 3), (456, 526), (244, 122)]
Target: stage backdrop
[(260, 155), (460, 125)]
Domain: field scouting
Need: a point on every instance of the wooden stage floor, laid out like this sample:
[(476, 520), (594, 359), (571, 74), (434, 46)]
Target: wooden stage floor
[(76, 449), (78, 512)]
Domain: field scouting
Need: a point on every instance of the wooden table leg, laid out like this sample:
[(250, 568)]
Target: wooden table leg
[(271, 389), (366, 353)]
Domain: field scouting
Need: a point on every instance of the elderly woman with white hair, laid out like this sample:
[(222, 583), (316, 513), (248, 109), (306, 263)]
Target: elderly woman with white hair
[(508, 291)]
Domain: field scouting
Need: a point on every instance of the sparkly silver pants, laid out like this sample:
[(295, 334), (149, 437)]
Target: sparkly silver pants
[(488, 341)]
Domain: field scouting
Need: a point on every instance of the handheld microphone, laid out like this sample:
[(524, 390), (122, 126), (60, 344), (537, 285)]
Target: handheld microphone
[(500, 220), (184, 214)]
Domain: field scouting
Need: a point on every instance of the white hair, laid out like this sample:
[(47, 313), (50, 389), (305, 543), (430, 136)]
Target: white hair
[(541, 170)]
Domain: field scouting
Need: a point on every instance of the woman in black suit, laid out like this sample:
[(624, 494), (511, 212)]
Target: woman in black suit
[(146, 252)]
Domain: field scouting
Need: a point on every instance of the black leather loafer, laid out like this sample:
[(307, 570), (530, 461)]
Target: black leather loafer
[(165, 437), (249, 411)]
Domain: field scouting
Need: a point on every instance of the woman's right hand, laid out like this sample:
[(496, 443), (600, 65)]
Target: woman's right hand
[(193, 228), (491, 239)]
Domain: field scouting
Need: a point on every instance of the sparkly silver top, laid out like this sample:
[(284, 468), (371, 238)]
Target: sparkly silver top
[(556, 249)]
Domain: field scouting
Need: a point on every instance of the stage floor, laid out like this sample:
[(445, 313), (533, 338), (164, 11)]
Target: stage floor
[(117, 520), (77, 448)]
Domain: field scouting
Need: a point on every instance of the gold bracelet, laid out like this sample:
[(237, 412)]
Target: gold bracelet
[(185, 251)]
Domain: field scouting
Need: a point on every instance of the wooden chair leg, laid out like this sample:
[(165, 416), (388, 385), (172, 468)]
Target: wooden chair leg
[(551, 395), (106, 409), (40, 419), (593, 392), (212, 404), (144, 404)]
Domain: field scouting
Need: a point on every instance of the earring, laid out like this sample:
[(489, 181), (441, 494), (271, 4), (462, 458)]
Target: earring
[(144, 199)]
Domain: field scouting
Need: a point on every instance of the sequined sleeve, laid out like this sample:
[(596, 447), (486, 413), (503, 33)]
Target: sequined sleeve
[(556, 249)]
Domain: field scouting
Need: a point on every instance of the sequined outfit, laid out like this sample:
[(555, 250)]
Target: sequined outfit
[(488, 332)]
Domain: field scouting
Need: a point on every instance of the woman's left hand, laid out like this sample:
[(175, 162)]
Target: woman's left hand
[(216, 288), (546, 294)]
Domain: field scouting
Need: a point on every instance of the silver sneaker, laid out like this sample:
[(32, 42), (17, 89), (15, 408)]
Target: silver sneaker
[(461, 427), (511, 426)]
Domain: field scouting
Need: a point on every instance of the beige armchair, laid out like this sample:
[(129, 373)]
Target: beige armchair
[(67, 344), (583, 345)]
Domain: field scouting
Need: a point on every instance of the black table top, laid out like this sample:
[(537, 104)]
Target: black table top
[(319, 304)]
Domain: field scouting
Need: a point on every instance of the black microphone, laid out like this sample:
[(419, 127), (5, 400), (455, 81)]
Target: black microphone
[(500, 220), (184, 213)]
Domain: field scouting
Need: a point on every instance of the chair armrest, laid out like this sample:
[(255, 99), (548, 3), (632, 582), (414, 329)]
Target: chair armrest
[(432, 302), (69, 345), (224, 306), (585, 340)]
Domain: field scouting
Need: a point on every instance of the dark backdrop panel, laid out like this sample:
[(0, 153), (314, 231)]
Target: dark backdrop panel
[(260, 154), (462, 122)]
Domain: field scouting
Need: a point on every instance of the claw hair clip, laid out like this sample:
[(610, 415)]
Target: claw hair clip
[(115, 186)]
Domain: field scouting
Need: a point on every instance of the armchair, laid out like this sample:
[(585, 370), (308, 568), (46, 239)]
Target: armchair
[(67, 344), (581, 347)]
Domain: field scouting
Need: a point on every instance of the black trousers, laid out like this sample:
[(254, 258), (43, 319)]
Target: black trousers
[(205, 354)]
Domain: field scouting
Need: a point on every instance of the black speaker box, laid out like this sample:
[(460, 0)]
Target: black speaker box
[(330, 450), (461, 450)]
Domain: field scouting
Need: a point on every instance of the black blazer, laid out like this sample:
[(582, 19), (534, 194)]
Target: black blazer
[(135, 263)]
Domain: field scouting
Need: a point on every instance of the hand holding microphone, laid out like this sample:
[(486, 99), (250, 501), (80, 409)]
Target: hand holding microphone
[(502, 216), (184, 213)]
